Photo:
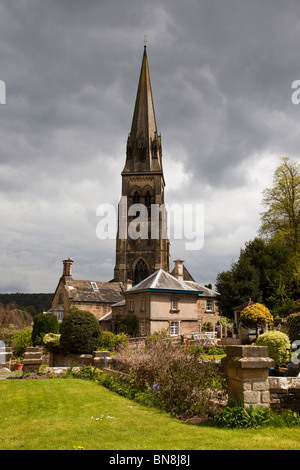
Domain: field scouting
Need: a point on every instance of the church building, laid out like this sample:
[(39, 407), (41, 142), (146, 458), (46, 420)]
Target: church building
[(143, 183), (142, 256)]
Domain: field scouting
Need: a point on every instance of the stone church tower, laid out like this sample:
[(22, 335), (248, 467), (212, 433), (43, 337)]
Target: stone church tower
[(142, 183)]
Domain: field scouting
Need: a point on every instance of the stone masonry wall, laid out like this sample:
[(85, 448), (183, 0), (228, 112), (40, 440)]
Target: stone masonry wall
[(284, 393)]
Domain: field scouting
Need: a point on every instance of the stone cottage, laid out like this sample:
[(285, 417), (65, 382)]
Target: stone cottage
[(95, 296), (166, 302)]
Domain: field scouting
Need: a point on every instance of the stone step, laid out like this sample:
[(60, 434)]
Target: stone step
[(100, 354), (32, 355)]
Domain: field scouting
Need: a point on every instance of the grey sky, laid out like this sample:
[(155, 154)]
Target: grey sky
[(221, 73)]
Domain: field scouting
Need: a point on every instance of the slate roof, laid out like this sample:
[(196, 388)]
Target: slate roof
[(107, 317), (186, 275), (163, 282), (206, 292), (83, 291)]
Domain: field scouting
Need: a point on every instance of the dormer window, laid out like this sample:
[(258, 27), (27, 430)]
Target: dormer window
[(94, 286)]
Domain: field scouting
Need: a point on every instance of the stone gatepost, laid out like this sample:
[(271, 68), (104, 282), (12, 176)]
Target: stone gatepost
[(32, 359), (247, 372)]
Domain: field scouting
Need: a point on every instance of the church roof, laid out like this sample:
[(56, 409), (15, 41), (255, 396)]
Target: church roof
[(163, 282), (94, 291)]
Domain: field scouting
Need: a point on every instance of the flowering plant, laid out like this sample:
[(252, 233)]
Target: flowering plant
[(256, 315)]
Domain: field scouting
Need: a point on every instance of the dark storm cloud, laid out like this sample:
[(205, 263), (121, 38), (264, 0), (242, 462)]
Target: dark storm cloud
[(221, 74)]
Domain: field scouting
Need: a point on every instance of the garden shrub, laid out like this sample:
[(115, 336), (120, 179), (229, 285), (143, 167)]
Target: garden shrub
[(256, 315), (43, 324), (20, 341), (110, 341), (183, 381), (293, 324), (80, 332), (278, 345), (51, 342), (107, 341)]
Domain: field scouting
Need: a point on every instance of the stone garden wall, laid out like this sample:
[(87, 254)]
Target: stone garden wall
[(284, 393), (97, 358), (249, 381)]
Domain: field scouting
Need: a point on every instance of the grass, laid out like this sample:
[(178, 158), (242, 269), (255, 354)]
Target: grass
[(58, 414)]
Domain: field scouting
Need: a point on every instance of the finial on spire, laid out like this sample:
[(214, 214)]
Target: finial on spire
[(145, 40)]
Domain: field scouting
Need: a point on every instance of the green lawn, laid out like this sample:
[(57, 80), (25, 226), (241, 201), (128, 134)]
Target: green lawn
[(58, 414)]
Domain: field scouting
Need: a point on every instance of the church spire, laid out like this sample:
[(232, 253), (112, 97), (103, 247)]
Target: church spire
[(144, 143), (142, 183)]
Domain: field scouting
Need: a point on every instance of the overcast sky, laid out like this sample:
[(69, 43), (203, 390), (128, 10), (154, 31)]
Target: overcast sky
[(221, 74)]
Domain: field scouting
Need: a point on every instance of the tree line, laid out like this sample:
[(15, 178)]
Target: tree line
[(33, 303)]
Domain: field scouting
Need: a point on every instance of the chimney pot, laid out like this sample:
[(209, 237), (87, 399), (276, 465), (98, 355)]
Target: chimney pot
[(68, 267)]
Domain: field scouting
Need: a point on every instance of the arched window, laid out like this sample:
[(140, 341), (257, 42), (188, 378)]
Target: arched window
[(148, 200), (142, 153), (136, 198), (140, 271)]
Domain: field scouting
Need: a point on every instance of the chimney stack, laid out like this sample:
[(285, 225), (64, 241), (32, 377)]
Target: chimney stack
[(68, 267), (179, 269)]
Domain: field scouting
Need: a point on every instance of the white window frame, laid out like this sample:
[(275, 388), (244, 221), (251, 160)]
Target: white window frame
[(209, 305), (60, 316), (143, 328), (131, 306), (174, 328), (142, 305), (94, 286)]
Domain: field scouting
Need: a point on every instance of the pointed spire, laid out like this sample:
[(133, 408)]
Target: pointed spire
[(144, 144), (144, 116)]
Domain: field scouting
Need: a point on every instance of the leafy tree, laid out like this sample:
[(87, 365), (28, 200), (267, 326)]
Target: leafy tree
[(32, 310), (237, 285), (226, 288), (293, 324), (281, 220), (268, 268), (266, 271), (278, 276)]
